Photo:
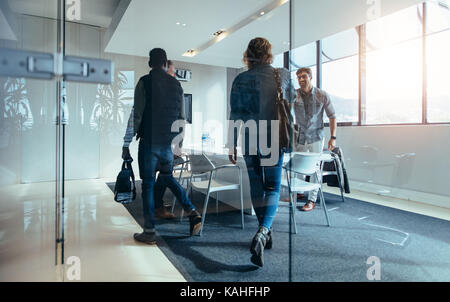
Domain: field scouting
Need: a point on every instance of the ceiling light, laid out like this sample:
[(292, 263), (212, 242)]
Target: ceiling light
[(178, 23), (218, 33), (262, 13), (184, 24), (190, 53)]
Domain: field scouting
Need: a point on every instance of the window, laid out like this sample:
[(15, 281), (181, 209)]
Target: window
[(438, 16), (304, 56), (340, 74), (394, 84), (438, 63), (394, 69), (398, 27), (278, 61)]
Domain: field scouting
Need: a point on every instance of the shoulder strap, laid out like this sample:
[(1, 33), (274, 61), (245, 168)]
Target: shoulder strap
[(278, 82)]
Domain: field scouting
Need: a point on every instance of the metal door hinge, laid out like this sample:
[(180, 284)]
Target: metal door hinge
[(30, 64)]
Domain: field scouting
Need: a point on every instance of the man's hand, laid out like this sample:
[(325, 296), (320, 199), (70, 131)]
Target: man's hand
[(126, 153), (331, 144), (233, 158)]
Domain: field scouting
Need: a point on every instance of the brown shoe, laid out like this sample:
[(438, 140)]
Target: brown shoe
[(309, 206), (163, 213), (299, 197)]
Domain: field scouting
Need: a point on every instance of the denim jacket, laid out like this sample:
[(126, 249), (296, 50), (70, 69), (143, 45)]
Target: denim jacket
[(253, 97)]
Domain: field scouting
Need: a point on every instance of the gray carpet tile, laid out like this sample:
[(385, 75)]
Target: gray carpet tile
[(411, 247)]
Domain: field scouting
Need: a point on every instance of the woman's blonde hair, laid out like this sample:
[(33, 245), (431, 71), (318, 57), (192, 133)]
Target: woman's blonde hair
[(259, 51)]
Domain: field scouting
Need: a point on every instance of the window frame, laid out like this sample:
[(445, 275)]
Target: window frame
[(362, 54)]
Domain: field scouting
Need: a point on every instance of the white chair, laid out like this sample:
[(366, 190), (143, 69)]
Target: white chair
[(201, 165), (328, 157), (304, 164)]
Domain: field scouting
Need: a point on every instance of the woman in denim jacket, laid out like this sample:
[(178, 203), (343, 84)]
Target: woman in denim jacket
[(252, 102)]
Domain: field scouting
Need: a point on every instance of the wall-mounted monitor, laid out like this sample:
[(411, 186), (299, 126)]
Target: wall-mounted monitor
[(188, 108)]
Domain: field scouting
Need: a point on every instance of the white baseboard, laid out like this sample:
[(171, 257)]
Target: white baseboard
[(421, 197)]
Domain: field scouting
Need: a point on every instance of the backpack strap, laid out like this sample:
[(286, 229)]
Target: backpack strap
[(278, 83)]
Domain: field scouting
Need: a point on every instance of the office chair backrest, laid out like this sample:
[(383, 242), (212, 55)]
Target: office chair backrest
[(303, 163), (200, 164)]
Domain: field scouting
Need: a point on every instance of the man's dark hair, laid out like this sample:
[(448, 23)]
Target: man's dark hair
[(305, 69), (169, 63), (158, 58)]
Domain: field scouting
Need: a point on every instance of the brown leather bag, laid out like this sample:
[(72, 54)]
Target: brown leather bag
[(289, 132)]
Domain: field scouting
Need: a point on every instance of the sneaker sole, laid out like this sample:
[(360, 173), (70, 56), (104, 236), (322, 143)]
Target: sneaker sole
[(148, 243), (257, 255)]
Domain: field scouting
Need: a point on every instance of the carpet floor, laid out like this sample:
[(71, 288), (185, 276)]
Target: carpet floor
[(410, 247)]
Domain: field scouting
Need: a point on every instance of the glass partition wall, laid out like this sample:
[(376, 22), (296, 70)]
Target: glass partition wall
[(384, 75), (61, 141), (99, 231), (30, 150)]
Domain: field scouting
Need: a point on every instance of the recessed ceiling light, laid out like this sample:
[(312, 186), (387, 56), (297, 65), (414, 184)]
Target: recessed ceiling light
[(262, 13), (190, 53), (184, 24), (178, 23), (218, 33)]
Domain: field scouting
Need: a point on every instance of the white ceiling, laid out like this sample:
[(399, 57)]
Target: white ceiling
[(7, 23), (93, 12), (144, 24), (152, 23)]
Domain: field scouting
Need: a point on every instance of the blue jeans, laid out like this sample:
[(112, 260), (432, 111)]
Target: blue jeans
[(265, 185), (152, 159)]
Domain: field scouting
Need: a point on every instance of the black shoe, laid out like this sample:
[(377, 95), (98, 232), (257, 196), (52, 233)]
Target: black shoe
[(257, 247), (269, 240), (195, 221), (148, 238)]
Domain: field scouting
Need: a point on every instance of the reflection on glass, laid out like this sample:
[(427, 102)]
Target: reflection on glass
[(27, 153), (15, 114), (339, 46), (438, 64), (278, 61), (401, 26), (304, 56), (111, 102), (438, 15)]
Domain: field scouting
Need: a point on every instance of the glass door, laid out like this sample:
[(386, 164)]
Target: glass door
[(30, 153), (34, 76)]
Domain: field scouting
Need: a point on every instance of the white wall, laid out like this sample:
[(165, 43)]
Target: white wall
[(92, 151), (409, 162), (209, 103), (27, 128)]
